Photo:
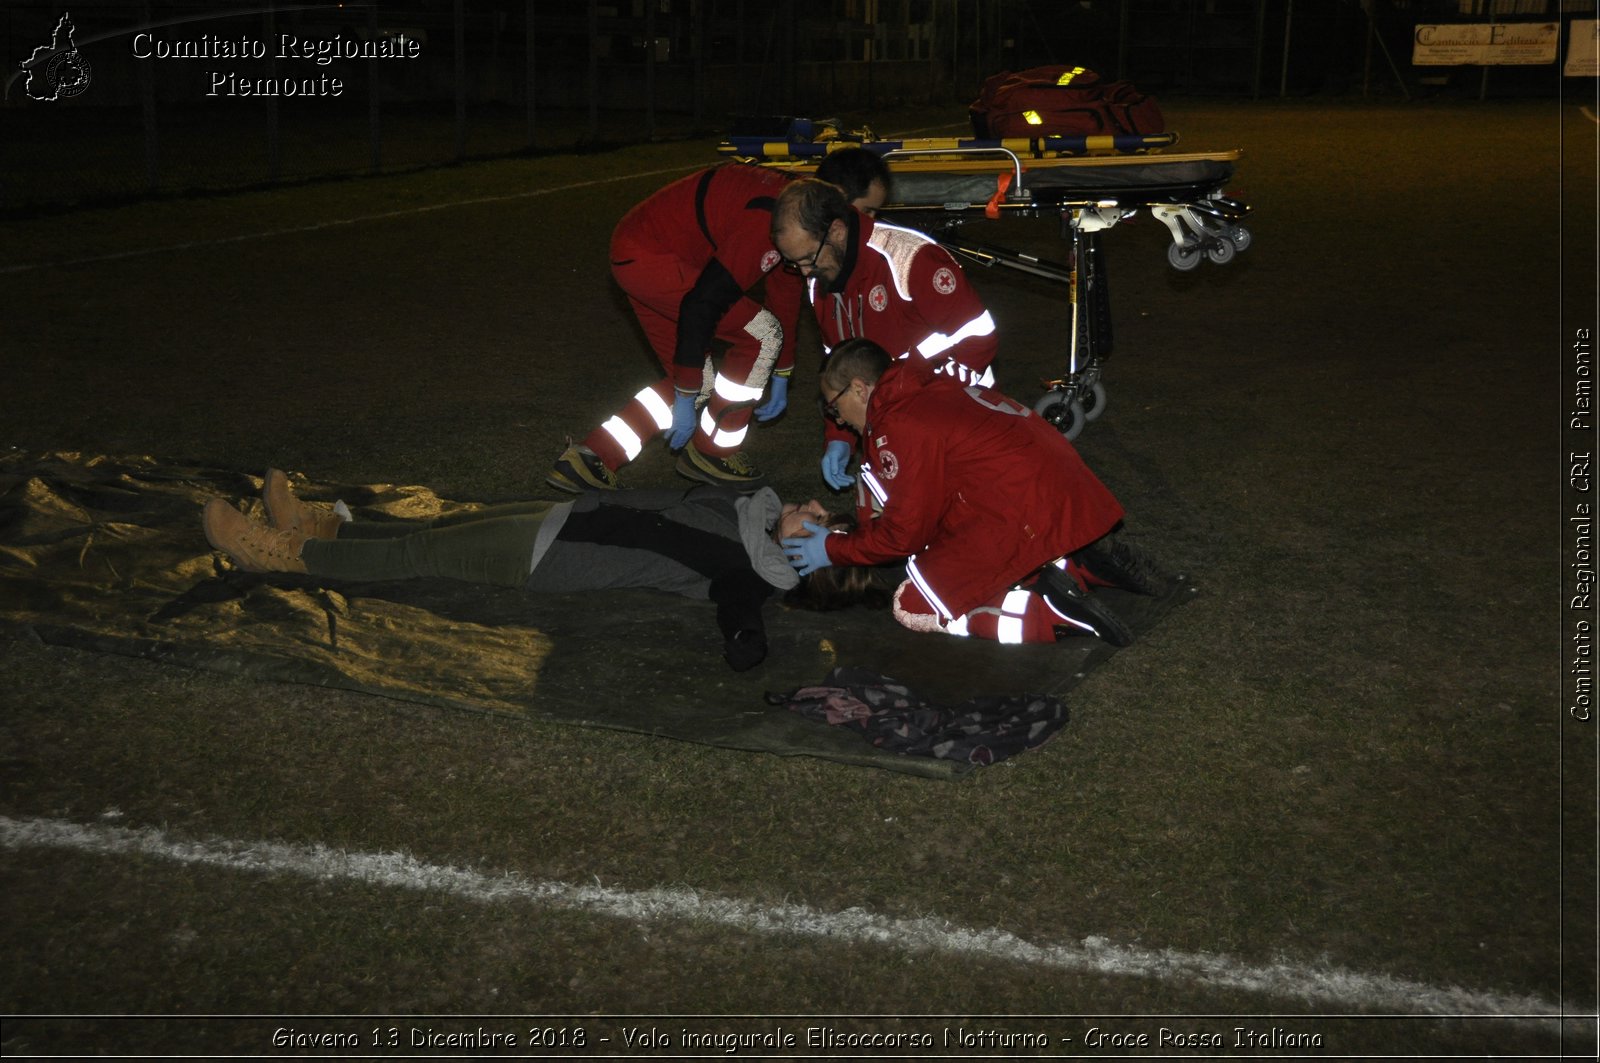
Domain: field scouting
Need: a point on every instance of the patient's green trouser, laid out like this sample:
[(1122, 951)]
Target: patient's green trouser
[(493, 545)]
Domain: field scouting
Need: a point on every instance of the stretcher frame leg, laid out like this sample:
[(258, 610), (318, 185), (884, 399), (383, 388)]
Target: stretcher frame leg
[(1073, 400), (1078, 397)]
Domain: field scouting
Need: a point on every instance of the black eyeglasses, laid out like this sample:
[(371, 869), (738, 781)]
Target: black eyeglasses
[(800, 265), (830, 408)]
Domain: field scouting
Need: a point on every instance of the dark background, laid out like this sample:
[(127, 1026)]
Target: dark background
[(1350, 751), (511, 78)]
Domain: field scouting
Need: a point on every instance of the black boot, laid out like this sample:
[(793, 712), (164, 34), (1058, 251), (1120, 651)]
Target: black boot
[(1085, 613), (1122, 565)]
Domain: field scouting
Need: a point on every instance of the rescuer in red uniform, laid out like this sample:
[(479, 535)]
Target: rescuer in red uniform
[(894, 286), (995, 510), (688, 258)]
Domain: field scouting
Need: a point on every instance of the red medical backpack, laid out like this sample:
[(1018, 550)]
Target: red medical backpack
[(1060, 101)]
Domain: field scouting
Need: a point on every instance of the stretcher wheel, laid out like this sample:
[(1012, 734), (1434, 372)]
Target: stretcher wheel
[(1221, 252), (1183, 256), (1093, 401), (1066, 414), (1240, 237)]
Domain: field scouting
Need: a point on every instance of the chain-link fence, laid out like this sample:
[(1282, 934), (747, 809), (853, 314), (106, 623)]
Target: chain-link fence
[(116, 100)]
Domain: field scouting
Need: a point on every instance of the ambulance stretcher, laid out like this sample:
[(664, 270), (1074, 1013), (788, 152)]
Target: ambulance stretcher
[(1089, 183)]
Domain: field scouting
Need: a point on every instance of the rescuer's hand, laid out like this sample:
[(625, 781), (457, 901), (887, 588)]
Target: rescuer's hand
[(776, 402), (807, 553), (682, 419), (836, 465)]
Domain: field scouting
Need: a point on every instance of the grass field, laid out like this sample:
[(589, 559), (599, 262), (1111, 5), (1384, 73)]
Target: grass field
[(1338, 795)]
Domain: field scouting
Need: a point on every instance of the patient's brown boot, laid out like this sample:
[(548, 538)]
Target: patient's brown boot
[(287, 513), (253, 547)]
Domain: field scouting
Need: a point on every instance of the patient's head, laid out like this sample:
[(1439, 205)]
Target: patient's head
[(837, 586), (793, 516)]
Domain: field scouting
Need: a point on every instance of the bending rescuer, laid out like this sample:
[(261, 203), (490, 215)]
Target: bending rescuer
[(689, 258), (868, 279)]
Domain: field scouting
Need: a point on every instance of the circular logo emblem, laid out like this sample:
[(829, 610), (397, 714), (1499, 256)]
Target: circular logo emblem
[(768, 261), (944, 280), (68, 74), (878, 298), (890, 463)]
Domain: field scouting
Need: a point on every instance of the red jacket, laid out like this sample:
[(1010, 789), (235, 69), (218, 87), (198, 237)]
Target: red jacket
[(718, 224), (904, 292), (976, 488)]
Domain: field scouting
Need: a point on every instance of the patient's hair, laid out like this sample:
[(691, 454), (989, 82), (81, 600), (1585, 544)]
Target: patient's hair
[(842, 586), (854, 170), (854, 359)]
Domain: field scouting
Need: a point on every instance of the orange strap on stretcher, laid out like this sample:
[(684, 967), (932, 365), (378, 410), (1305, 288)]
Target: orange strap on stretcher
[(991, 210)]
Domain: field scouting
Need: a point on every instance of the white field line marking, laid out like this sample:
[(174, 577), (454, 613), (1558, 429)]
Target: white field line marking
[(1095, 956), (338, 222)]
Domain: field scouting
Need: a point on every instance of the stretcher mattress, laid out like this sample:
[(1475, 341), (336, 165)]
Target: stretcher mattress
[(975, 177), (795, 145), (928, 183), (953, 172)]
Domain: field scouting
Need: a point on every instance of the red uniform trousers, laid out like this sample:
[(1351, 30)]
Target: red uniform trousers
[(655, 285), (1013, 616)]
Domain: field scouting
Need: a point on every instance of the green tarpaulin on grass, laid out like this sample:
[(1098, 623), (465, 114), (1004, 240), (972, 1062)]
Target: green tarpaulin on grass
[(106, 553)]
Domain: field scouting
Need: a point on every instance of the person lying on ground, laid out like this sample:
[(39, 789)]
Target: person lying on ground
[(1002, 524), (704, 542)]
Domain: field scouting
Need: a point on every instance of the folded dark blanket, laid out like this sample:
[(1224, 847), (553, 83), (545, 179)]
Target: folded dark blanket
[(980, 730)]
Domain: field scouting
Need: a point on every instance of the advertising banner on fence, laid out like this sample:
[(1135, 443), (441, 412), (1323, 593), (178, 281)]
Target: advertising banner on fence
[(1485, 43), (1583, 49)]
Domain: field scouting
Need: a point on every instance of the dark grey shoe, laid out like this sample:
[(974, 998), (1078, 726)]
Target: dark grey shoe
[(734, 470), (579, 469)]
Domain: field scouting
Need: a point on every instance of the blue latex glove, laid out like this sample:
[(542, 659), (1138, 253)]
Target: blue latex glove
[(836, 465), (776, 402), (808, 553), (682, 419)]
